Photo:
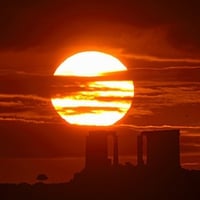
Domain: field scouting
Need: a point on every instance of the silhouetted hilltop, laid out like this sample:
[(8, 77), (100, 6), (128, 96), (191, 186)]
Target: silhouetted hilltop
[(122, 182), (140, 183)]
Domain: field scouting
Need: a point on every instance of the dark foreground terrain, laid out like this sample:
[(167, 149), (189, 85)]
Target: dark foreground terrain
[(122, 182)]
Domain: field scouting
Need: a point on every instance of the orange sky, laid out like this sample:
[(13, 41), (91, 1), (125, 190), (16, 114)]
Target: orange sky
[(158, 42)]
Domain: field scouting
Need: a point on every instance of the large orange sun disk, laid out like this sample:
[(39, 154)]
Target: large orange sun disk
[(99, 103)]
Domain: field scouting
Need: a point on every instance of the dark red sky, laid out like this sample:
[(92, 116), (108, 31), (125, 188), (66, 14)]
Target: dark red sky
[(157, 40)]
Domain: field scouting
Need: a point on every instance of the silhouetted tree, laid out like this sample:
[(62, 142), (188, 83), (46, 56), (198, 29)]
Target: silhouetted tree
[(42, 177)]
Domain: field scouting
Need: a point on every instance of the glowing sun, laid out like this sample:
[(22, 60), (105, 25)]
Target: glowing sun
[(93, 103)]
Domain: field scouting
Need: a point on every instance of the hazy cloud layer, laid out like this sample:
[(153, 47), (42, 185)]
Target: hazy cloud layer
[(50, 23), (159, 95)]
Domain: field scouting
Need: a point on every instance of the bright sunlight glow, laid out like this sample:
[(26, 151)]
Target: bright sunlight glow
[(95, 103), (90, 63)]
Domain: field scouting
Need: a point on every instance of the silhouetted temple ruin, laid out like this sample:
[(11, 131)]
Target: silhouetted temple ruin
[(96, 150), (162, 149), (96, 156)]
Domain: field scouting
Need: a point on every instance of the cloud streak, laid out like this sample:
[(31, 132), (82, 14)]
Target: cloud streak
[(162, 59), (26, 108), (153, 127)]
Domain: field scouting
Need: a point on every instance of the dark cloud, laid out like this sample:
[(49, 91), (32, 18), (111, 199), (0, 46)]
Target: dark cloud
[(165, 103), (37, 85), (195, 140), (190, 148), (39, 23), (26, 108), (84, 110), (160, 81)]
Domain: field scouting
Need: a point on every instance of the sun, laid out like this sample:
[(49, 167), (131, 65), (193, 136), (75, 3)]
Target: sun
[(93, 103)]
